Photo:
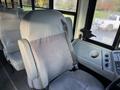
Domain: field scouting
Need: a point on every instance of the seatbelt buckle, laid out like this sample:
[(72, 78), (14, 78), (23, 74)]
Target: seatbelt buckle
[(75, 67)]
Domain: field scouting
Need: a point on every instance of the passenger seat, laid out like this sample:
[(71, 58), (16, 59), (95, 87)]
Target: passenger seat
[(10, 34)]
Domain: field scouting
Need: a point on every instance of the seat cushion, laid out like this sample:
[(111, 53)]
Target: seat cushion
[(78, 80), (16, 60)]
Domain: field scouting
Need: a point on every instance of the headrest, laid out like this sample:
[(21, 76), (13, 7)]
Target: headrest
[(10, 19), (41, 24), (18, 12)]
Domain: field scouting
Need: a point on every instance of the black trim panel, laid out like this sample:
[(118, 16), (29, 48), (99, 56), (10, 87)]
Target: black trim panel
[(6, 3), (117, 39), (100, 44), (20, 1), (90, 14), (51, 4), (12, 2), (33, 4)]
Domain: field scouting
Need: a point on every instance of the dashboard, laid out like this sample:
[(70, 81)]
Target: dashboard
[(115, 57), (101, 60)]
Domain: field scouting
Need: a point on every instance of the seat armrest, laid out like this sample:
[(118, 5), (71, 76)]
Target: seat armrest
[(30, 65), (27, 58)]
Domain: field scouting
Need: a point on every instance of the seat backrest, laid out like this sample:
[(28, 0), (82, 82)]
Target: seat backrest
[(45, 34), (9, 29)]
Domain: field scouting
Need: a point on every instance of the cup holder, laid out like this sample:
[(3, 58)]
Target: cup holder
[(94, 54)]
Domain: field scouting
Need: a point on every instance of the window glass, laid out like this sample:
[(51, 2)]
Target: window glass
[(26, 2), (112, 17), (70, 16), (3, 1), (106, 21), (66, 5), (9, 4), (42, 3), (27, 5), (27, 8), (16, 3)]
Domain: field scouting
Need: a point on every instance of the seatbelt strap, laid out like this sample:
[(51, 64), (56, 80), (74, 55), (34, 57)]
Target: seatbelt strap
[(69, 44)]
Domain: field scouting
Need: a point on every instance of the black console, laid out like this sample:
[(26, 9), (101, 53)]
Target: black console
[(115, 60), (115, 85)]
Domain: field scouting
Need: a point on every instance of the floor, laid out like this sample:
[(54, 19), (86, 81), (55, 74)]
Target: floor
[(5, 82), (11, 79)]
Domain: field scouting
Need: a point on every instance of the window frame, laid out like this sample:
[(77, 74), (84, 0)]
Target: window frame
[(51, 6), (88, 24), (65, 10), (69, 13)]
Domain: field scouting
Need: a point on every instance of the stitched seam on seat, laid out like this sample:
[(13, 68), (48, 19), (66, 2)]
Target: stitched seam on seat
[(34, 62)]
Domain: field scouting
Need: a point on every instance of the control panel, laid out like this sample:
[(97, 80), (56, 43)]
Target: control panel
[(96, 58), (111, 61), (116, 61), (107, 61)]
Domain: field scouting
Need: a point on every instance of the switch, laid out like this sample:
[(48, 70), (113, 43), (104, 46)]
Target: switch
[(106, 60), (94, 54), (106, 65), (106, 55)]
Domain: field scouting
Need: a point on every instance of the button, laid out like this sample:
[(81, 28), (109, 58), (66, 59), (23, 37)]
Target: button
[(94, 54), (106, 55), (106, 60), (106, 65)]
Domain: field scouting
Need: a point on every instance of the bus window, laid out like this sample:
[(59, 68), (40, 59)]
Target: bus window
[(70, 16), (27, 5), (9, 4), (16, 3), (65, 5), (3, 2), (106, 21), (42, 3)]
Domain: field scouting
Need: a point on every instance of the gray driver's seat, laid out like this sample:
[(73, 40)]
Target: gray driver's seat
[(47, 54)]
